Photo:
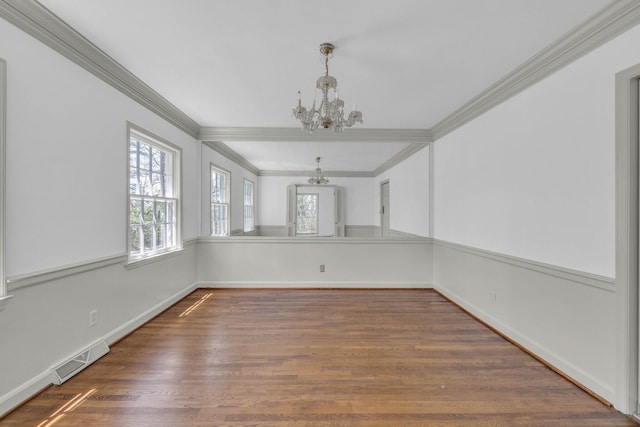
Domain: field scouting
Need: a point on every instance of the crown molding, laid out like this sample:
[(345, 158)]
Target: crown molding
[(332, 174), (38, 21), (609, 22), (321, 135), (399, 157), (224, 149)]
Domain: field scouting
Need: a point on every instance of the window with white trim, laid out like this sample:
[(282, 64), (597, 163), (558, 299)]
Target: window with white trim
[(307, 213), (220, 191), (154, 183), (249, 222)]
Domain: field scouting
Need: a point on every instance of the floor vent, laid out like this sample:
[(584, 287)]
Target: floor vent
[(77, 363)]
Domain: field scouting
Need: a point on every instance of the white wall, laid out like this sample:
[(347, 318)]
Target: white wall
[(66, 181), (408, 194), (67, 159), (272, 199), (533, 178), (295, 262), (238, 175)]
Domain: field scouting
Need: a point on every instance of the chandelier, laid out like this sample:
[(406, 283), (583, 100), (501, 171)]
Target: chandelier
[(318, 179), (330, 113)]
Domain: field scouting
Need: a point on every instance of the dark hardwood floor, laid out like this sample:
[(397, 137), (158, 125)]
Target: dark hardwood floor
[(315, 358)]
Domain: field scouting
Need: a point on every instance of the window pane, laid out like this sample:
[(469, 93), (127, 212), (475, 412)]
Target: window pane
[(148, 237), (307, 214), (219, 219), (158, 184), (144, 152), (161, 235), (135, 212), (147, 214), (133, 181), (134, 240), (157, 160), (160, 211)]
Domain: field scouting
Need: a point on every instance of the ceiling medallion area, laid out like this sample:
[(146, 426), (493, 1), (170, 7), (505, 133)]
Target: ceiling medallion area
[(330, 113)]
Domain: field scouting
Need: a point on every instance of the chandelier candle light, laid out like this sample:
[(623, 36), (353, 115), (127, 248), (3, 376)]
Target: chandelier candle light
[(318, 179), (330, 114)]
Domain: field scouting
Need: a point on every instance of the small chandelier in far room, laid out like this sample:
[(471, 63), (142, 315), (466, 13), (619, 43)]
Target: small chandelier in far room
[(318, 179), (330, 113)]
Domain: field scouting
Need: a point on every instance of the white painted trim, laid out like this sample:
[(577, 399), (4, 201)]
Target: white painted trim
[(627, 150), (36, 20), (4, 300), (223, 149), (26, 390), (611, 21), (333, 174), (298, 135), (24, 280), (35, 278), (315, 240), (533, 346), (395, 234), (137, 263), (133, 324), (315, 284), (399, 157), (583, 278)]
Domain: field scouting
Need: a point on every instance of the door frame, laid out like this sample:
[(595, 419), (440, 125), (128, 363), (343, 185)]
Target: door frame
[(382, 212), (627, 219)]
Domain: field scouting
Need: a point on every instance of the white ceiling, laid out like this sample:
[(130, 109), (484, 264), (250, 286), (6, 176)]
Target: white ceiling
[(407, 64)]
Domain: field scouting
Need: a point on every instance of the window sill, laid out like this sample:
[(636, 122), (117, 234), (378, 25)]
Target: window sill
[(4, 300), (135, 263)]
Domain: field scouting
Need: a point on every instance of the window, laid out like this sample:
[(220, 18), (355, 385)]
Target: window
[(307, 213), (154, 174), (219, 201), (249, 223)]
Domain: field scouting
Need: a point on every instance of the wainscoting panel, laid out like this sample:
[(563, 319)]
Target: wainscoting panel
[(296, 262), (47, 320), (568, 318)]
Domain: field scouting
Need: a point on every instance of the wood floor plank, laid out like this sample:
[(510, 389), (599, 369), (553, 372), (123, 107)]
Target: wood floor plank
[(315, 358)]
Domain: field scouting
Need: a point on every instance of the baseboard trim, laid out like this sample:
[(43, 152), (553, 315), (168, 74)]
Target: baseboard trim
[(19, 395), (135, 323), (16, 397), (548, 358), (315, 284)]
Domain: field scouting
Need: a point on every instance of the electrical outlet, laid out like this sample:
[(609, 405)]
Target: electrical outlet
[(494, 297), (321, 268), (93, 317)]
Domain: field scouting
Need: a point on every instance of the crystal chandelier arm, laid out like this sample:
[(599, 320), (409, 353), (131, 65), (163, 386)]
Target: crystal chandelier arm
[(330, 113)]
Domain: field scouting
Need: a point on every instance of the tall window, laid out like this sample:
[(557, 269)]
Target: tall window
[(307, 214), (154, 174), (219, 202), (249, 223)]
